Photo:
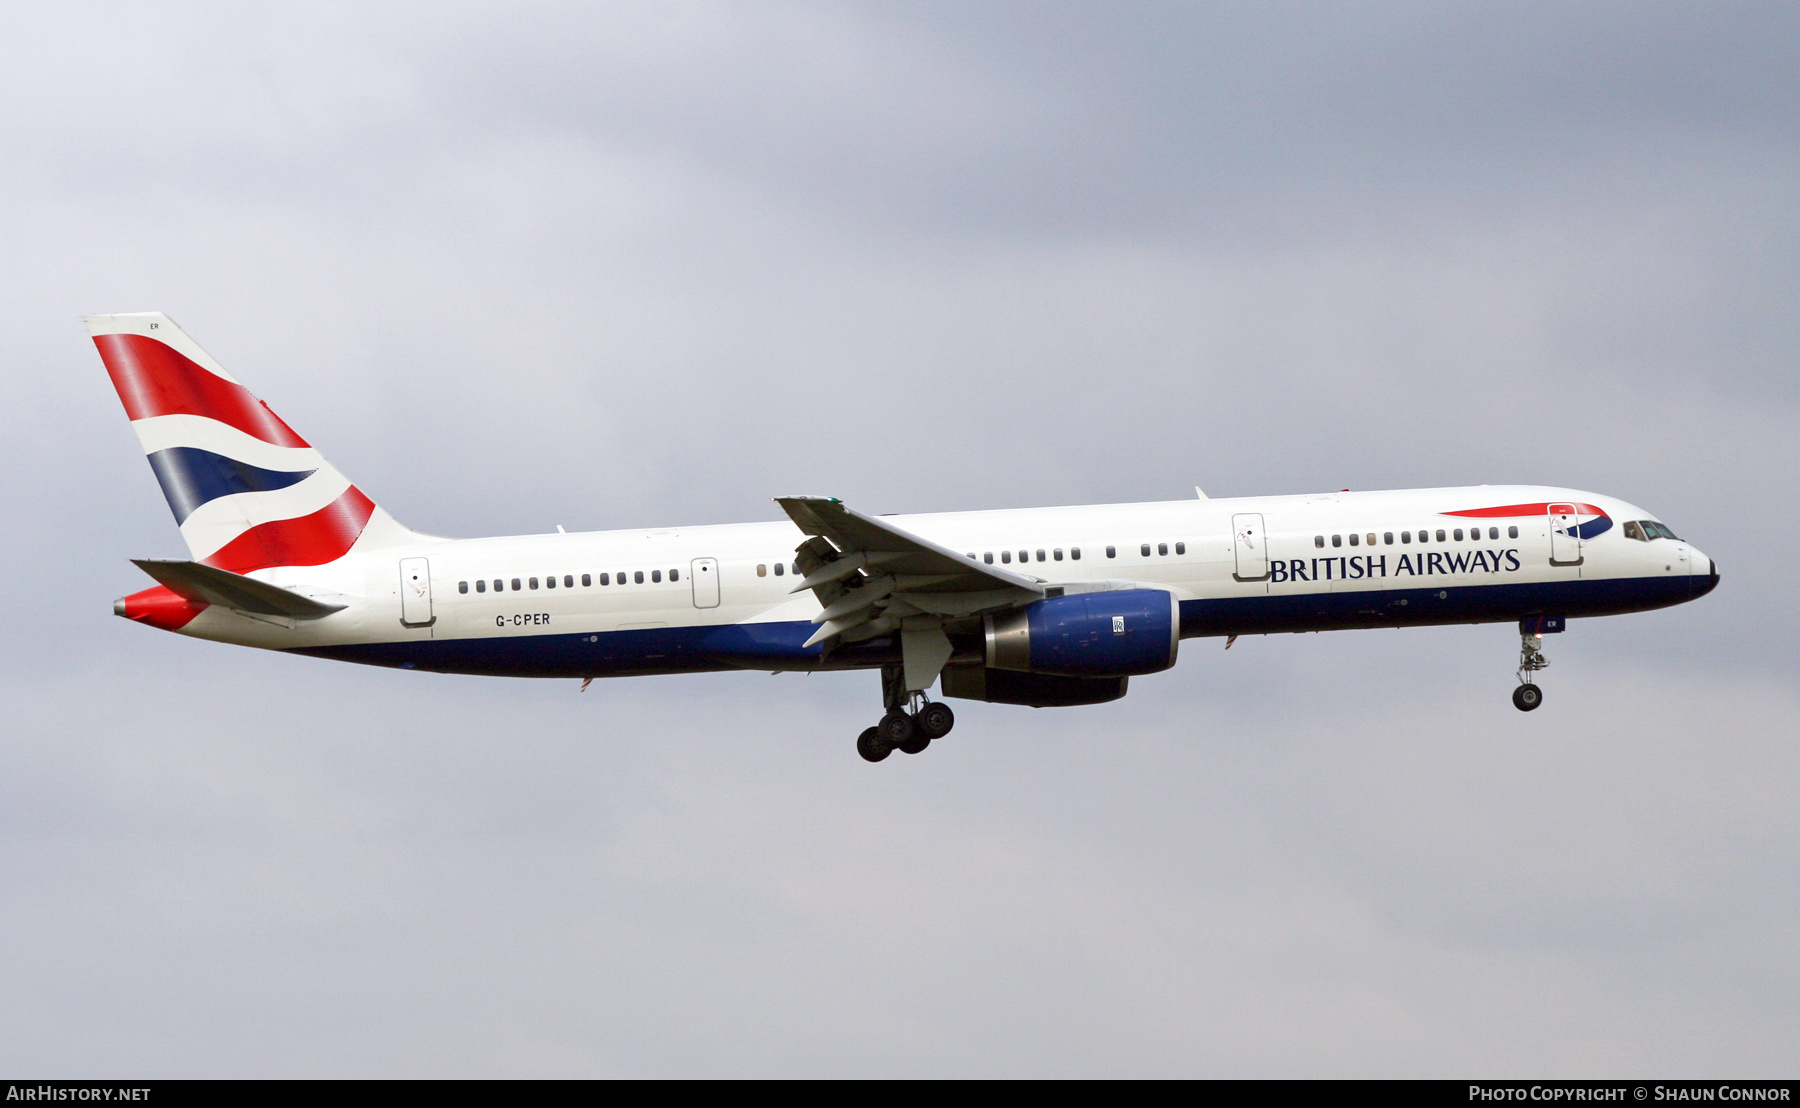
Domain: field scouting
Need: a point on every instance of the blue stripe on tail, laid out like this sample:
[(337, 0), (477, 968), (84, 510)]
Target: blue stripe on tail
[(191, 477)]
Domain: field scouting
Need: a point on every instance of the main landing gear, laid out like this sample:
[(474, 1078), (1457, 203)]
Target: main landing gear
[(1531, 659), (910, 724)]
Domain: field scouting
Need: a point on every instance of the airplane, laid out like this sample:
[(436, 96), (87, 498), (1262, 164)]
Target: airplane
[(1044, 607)]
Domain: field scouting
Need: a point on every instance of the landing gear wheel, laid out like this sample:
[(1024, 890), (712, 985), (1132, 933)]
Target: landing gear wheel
[(914, 745), (935, 720), (1527, 697), (896, 727), (872, 746)]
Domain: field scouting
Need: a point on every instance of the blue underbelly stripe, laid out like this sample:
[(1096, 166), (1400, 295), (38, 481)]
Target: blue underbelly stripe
[(768, 645)]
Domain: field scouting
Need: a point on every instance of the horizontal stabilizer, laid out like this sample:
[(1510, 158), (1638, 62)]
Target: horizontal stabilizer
[(210, 585)]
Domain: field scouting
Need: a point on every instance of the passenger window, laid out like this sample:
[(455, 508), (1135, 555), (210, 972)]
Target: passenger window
[(1406, 536), (550, 582), (1112, 552), (1424, 536), (1057, 554), (587, 581), (499, 585), (516, 584), (1040, 555), (1457, 534), (1075, 553), (762, 569), (1512, 532), (1390, 538), (462, 586), (1144, 551), (1006, 557), (1354, 538), (988, 557), (532, 581), (1440, 534), (780, 568), (1162, 549), (1319, 541), (1024, 556), (1181, 548), (1493, 532), (606, 579), (1337, 540), (674, 575), (481, 586), (656, 576), (568, 581), (638, 577)]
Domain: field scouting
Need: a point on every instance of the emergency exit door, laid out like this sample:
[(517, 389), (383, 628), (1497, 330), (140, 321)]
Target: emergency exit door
[(1251, 546), (415, 592), (704, 573)]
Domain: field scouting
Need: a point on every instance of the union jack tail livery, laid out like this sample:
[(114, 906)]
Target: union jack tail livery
[(248, 492)]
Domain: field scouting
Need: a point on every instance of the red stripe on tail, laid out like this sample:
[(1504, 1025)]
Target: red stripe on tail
[(154, 379), (324, 536)]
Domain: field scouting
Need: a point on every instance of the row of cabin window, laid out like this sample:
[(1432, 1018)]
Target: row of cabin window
[(568, 581), (1387, 537), (1056, 554), (762, 569)]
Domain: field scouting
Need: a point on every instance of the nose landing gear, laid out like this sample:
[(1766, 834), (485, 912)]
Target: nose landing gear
[(1531, 659), (909, 726)]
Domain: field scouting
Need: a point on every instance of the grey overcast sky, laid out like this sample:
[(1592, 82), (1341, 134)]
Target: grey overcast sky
[(515, 266)]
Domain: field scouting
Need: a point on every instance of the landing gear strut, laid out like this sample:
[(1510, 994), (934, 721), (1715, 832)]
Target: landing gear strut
[(910, 724), (1531, 659)]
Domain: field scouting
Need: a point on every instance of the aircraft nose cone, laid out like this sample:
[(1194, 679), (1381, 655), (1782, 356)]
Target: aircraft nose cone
[(1699, 586)]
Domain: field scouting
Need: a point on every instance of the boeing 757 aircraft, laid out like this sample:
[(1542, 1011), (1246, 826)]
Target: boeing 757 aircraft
[(1045, 607)]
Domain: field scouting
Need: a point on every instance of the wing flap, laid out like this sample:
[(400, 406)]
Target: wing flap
[(852, 532), (872, 578)]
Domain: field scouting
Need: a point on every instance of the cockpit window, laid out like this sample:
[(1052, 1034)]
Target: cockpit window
[(1646, 529)]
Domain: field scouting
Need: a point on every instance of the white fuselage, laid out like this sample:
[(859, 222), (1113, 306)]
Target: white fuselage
[(642, 601)]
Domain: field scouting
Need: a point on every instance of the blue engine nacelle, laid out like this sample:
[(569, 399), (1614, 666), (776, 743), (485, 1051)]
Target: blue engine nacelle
[(1094, 634)]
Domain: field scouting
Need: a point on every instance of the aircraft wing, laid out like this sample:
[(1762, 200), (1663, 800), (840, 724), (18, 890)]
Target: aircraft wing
[(211, 585), (873, 578)]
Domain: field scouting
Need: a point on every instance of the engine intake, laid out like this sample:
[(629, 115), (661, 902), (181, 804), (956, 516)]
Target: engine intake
[(1096, 634)]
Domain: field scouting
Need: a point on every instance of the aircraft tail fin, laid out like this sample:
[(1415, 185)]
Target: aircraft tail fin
[(247, 491)]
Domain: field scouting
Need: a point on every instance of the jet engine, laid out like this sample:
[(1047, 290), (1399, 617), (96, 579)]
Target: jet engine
[(1096, 634)]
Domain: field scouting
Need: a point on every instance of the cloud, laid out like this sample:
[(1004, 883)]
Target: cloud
[(468, 878)]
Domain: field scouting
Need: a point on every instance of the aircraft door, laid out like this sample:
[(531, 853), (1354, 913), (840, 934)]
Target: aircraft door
[(704, 572), (415, 592), (1565, 535), (1251, 546)]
